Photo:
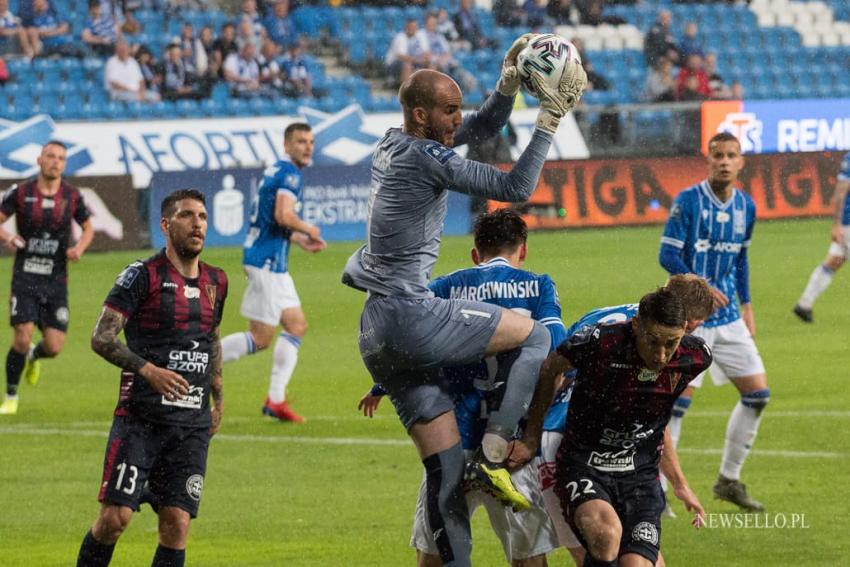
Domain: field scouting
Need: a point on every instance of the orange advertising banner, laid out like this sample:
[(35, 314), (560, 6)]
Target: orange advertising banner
[(593, 193)]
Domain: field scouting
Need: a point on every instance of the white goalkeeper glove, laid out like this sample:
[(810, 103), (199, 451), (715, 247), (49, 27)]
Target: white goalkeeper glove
[(555, 103), (509, 80)]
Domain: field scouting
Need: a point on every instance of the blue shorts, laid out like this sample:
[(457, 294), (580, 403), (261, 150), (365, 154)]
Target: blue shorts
[(406, 342)]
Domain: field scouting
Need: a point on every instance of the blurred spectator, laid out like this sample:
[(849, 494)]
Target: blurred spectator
[(204, 43), (535, 14), (468, 27), (272, 75), (718, 87), (659, 41), (11, 30), (4, 72), (692, 69), (177, 81), (691, 44), (595, 81), (150, 68), (242, 72), (297, 73), (446, 26), (101, 32), (124, 79), (737, 91), (48, 35), (590, 14), (224, 46), (191, 51), (506, 12), (247, 33), (249, 12), (407, 53), (660, 85), (563, 12), (130, 25), (440, 54), (174, 7), (279, 25)]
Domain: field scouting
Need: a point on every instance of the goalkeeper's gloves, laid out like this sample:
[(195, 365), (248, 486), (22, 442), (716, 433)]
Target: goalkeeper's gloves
[(555, 103), (509, 80)]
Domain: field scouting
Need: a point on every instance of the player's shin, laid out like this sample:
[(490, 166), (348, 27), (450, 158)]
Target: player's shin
[(15, 362), (818, 282), (93, 553), (445, 504), (741, 432)]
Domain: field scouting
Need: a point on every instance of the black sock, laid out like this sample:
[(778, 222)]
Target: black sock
[(93, 553), (39, 351), (167, 557), (445, 505), (14, 366), (589, 561)]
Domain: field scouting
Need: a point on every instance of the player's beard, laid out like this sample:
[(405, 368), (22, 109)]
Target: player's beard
[(184, 247)]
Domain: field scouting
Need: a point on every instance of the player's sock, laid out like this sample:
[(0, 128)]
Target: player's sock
[(741, 432), (445, 504), (15, 362), (237, 345), (93, 553), (285, 357), (818, 282), (39, 352), (520, 383), (680, 408), (167, 557), (589, 561)]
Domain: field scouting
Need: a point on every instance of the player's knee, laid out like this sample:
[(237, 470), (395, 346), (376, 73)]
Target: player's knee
[(173, 527), (297, 328), (605, 545), (834, 263), (51, 349), (111, 523), (757, 400), (538, 339)]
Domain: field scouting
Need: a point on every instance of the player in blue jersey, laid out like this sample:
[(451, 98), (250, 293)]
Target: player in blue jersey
[(270, 299), (499, 253), (695, 295), (839, 248), (708, 233), (406, 334)]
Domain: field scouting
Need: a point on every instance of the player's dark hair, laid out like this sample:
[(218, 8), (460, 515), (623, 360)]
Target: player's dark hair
[(55, 143), (662, 307), (498, 231), (695, 294), (295, 127), (169, 204), (723, 137)]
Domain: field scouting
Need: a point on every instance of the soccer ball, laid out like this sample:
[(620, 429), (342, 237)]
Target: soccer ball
[(548, 54)]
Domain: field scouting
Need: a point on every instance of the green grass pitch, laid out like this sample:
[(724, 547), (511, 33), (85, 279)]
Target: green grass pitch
[(339, 490)]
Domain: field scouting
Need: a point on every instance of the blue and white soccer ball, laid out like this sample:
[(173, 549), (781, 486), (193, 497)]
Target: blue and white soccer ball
[(548, 54)]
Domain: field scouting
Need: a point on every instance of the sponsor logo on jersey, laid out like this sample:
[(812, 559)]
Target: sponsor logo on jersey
[(194, 399), (647, 375), (39, 266), (128, 276), (191, 292), (169, 285), (620, 365), (45, 245), (645, 531), (613, 461), (188, 361), (704, 245), (739, 223), (624, 439), (722, 216), (438, 152)]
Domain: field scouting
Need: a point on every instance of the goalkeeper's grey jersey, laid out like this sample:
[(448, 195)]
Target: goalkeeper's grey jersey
[(407, 205)]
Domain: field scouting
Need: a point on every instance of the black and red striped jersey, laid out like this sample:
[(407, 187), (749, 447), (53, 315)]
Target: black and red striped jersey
[(619, 408), (172, 323), (44, 222)]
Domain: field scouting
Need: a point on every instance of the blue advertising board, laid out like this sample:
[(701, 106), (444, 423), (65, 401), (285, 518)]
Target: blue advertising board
[(335, 199)]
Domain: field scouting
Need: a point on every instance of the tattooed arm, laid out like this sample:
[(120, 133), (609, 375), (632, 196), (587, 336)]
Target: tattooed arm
[(216, 384), (104, 341)]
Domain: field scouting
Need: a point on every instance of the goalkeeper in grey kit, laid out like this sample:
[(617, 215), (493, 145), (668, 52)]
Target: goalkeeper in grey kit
[(406, 334)]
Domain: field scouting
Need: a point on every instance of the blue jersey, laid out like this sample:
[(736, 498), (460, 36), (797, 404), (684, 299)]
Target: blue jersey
[(556, 416), (844, 175), (711, 239), (267, 243), (496, 282)]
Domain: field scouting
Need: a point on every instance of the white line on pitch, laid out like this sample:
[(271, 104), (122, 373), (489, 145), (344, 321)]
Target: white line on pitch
[(13, 430)]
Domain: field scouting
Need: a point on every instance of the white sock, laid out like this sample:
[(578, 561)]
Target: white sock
[(495, 448), (818, 282), (740, 434), (237, 345), (285, 357)]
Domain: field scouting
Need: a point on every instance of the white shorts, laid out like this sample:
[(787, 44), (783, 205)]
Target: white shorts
[(549, 449), (841, 250), (268, 295), (523, 534), (734, 351)]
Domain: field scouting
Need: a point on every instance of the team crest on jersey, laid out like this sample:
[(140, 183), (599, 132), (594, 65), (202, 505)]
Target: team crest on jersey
[(722, 216), (211, 293), (191, 292), (647, 532), (647, 375), (195, 486)]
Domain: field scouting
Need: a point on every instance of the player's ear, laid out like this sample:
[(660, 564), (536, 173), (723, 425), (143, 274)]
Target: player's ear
[(523, 251), (476, 258), (419, 115)]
